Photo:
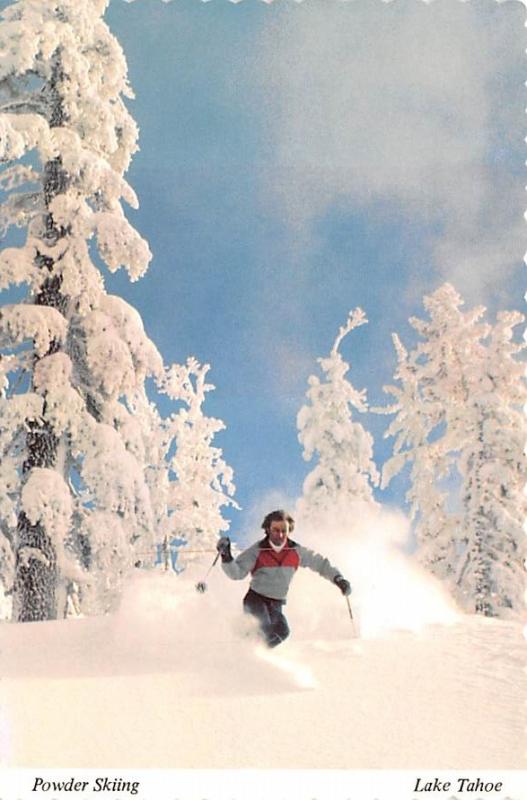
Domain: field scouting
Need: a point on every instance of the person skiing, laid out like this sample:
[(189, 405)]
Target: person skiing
[(272, 563)]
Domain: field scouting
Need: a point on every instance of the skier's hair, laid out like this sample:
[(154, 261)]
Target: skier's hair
[(278, 516)]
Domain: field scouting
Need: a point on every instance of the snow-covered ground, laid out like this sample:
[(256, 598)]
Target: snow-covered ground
[(171, 681)]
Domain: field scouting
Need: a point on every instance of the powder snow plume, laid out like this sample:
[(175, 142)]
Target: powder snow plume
[(152, 602), (390, 591)]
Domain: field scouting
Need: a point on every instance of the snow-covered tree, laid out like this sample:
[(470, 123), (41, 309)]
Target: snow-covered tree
[(345, 472), (412, 427), (74, 494), (199, 482), (449, 406), (491, 572)]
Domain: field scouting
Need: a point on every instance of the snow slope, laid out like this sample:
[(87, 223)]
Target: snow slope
[(172, 682)]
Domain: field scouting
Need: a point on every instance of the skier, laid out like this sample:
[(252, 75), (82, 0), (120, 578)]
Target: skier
[(272, 563)]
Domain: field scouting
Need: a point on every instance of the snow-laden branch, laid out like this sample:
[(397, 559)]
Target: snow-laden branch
[(46, 499), (20, 133), (356, 318), (17, 266), (42, 324)]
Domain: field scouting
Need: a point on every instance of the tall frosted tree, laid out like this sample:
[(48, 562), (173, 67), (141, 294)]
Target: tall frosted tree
[(491, 570), (345, 472), (191, 482), (417, 429), (74, 496), (450, 405)]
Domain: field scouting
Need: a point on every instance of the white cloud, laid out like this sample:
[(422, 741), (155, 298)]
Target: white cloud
[(404, 103), (290, 368)]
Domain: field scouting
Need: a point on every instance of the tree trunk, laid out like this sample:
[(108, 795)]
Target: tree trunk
[(483, 524), (37, 573)]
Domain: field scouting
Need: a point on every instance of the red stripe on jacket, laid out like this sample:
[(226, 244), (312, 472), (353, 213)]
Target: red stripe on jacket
[(288, 557)]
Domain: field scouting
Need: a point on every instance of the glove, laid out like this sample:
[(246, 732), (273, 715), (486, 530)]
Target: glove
[(223, 546), (343, 585)]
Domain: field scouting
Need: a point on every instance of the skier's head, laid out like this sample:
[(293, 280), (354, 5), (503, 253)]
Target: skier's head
[(277, 526)]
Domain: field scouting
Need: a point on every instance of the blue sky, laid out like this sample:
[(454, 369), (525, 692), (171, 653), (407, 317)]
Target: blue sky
[(300, 159)]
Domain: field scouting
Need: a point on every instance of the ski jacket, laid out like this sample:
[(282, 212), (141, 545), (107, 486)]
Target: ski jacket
[(273, 572)]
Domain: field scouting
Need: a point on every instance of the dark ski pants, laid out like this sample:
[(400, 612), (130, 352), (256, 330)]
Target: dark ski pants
[(268, 612)]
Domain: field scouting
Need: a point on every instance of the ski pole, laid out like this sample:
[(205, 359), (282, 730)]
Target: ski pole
[(351, 615), (201, 586)]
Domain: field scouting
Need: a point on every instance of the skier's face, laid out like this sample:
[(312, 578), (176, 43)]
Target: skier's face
[(278, 531)]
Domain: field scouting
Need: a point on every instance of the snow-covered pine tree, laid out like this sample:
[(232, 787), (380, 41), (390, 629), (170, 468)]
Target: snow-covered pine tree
[(345, 472), (426, 427), (430, 461), (74, 497), (198, 482), (491, 570), (442, 426)]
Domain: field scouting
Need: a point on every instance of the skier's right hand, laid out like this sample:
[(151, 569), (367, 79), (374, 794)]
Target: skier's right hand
[(223, 546)]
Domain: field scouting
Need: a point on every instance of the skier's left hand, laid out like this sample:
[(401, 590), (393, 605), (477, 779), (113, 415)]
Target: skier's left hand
[(343, 585)]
